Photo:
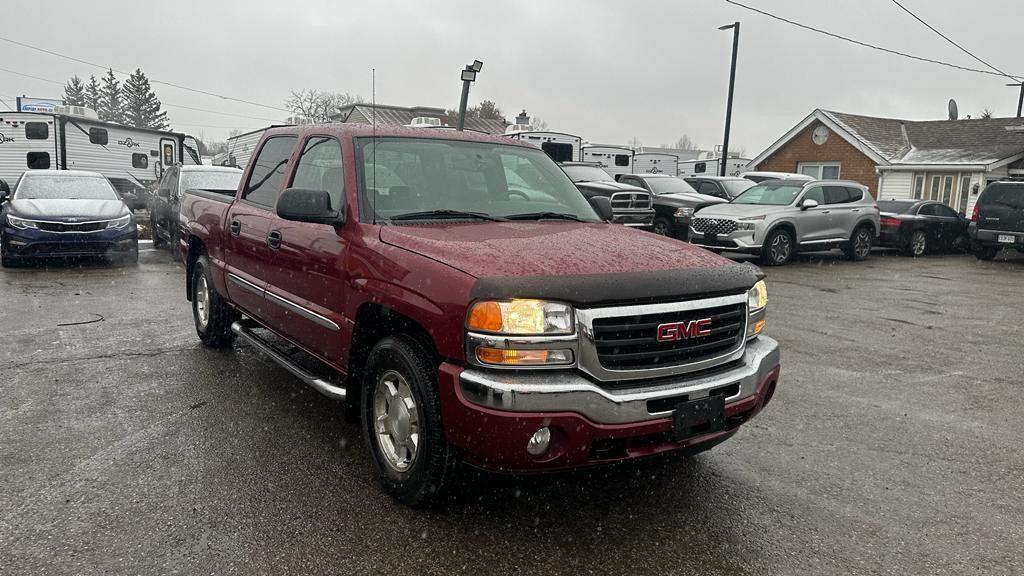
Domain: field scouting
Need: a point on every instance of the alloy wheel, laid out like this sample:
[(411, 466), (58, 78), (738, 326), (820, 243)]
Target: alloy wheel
[(396, 420), (660, 228), (202, 299), (862, 243), (917, 243), (780, 248)]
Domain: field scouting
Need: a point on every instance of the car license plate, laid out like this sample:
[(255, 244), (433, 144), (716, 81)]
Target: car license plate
[(696, 417), (712, 238), (1007, 239)]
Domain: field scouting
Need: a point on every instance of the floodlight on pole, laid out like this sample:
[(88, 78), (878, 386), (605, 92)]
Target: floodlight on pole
[(468, 77), (735, 26), (1020, 99)]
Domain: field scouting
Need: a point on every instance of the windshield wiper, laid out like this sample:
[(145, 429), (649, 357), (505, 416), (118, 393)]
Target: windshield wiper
[(544, 216), (445, 214)]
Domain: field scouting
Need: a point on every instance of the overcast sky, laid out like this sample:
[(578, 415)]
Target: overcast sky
[(606, 70)]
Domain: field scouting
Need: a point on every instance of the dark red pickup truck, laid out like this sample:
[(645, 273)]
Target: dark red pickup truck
[(473, 306)]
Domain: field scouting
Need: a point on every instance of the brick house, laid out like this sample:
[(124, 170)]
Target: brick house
[(945, 160)]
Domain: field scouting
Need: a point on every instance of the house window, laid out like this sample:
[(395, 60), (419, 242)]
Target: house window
[(918, 186), (140, 160), (38, 160), (933, 192), (820, 170), (965, 192), (98, 136), (37, 130), (947, 189), (622, 159)]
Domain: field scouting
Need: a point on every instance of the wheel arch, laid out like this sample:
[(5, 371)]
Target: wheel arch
[(196, 248)]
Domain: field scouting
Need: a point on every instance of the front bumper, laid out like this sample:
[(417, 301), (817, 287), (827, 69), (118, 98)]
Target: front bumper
[(491, 415), (40, 244), (748, 241)]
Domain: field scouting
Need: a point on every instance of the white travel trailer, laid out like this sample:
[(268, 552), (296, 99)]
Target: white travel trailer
[(131, 158), (241, 147), (655, 163), (733, 167), (614, 159), (560, 146)]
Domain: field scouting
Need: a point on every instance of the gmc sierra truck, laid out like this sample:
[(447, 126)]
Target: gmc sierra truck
[(465, 319)]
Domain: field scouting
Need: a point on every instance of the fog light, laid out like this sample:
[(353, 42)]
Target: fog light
[(539, 442)]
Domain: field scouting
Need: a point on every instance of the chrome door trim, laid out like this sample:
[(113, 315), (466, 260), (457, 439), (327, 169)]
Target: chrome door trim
[(245, 284), (302, 311)]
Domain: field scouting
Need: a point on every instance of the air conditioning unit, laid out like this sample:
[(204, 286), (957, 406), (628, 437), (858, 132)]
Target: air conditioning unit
[(80, 111), (424, 122)]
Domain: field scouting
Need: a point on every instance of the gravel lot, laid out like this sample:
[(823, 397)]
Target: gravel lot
[(893, 446)]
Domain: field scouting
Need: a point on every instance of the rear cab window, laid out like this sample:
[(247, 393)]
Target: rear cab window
[(1006, 194), (270, 166)]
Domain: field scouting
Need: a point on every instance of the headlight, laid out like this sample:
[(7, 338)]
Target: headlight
[(521, 333), (119, 223), (684, 212), (521, 318), (757, 305), (21, 223)]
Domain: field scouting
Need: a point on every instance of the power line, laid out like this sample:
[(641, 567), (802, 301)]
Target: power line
[(950, 40), (860, 43), (165, 83)]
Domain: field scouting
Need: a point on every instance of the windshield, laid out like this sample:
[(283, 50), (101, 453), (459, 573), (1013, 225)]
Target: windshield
[(64, 187), (895, 206), (210, 180), (587, 174), (736, 187), (412, 175), (669, 186), (770, 194)]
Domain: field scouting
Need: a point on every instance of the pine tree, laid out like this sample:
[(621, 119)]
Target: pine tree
[(141, 106), (74, 92), (92, 94), (110, 99)]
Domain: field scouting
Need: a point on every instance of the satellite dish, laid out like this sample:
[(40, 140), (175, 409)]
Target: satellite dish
[(953, 114)]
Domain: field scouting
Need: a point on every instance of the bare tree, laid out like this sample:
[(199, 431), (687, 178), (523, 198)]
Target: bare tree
[(635, 143), (986, 113), (317, 106), (684, 143), (486, 110), (538, 124)]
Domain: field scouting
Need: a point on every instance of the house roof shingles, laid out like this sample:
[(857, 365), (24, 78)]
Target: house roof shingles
[(401, 116), (969, 141)]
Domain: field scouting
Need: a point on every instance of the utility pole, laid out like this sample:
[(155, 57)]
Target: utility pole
[(735, 26), (1020, 100)]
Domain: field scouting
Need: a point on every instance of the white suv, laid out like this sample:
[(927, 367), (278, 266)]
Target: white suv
[(777, 218)]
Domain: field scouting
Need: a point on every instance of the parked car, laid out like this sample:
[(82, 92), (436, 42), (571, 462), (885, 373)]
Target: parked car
[(998, 219), (915, 227), (725, 187), (777, 218), (631, 205), (164, 205), (761, 176), (467, 322), (65, 213), (675, 201)]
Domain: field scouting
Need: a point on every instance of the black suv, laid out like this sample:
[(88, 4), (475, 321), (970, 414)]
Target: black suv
[(998, 219)]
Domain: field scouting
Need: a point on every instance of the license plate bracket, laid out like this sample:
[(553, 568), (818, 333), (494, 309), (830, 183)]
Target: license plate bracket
[(1006, 239), (700, 416)]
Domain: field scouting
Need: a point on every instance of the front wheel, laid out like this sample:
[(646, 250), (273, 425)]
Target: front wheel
[(212, 314), (662, 227), (778, 248), (154, 231), (401, 421), (860, 244)]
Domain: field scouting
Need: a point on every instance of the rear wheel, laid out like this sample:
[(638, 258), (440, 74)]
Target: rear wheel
[(158, 242), (916, 244), (985, 252), (860, 244), (212, 314), (778, 248), (401, 421), (176, 244), (662, 227)]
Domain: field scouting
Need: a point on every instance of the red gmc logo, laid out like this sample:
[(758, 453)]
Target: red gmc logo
[(682, 330)]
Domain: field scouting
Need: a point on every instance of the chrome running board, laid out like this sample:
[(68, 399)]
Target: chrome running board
[(243, 328)]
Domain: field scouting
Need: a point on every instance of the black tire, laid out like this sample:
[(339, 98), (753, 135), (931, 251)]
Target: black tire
[(158, 242), (778, 248), (915, 245), (859, 246), (175, 244), (985, 252), (430, 468), (215, 331), (662, 227), (6, 260)]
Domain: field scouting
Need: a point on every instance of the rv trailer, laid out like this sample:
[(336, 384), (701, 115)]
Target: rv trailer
[(733, 167), (655, 163), (614, 159), (559, 146)]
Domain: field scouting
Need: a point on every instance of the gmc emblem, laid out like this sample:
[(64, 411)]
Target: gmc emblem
[(683, 330)]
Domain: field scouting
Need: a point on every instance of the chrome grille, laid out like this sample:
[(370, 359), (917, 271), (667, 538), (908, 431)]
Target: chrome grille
[(713, 225), (631, 201)]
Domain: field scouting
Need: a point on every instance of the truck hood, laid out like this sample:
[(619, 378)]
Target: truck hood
[(608, 187), (730, 210), (686, 199), (581, 263), (68, 210)]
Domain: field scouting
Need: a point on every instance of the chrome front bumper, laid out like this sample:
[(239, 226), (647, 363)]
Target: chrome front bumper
[(566, 391)]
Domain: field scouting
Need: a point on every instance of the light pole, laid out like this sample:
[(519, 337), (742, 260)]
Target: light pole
[(1020, 100), (468, 76), (732, 83)]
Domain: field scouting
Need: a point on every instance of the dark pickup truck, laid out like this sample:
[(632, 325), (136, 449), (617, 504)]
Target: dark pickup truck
[(467, 320)]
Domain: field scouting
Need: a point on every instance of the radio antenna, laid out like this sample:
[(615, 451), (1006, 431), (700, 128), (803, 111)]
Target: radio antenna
[(373, 138)]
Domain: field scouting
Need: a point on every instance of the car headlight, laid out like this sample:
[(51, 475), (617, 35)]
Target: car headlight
[(684, 212), (757, 306), (21, 223), (521, 333), (119, 223)]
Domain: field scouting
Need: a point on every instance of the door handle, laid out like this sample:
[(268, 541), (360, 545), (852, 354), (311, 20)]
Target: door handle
[(235, 228), (826, 211), (274, 239), (855, 210)]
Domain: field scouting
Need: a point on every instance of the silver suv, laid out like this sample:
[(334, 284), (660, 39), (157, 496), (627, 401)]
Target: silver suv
[(777, 218)]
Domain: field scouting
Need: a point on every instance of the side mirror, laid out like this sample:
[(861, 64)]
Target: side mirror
[(603, 206), (305, 205), (4, 194), (4, 187), (808, 203)]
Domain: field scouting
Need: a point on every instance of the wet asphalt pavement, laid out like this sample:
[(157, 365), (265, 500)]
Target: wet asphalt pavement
[(893, 446)]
